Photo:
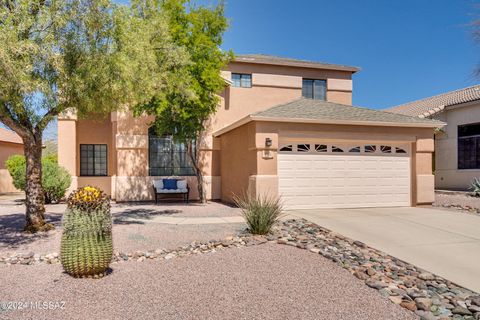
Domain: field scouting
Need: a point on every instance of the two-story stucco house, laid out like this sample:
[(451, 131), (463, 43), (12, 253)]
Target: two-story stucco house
[(284, 126), (457, 145)]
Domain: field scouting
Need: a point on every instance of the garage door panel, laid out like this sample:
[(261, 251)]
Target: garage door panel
[(343, 181)]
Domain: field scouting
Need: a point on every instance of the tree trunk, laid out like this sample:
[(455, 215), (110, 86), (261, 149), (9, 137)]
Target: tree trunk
[(194, 157), (34, 196)]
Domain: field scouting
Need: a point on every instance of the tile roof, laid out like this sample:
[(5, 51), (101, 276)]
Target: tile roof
[(429, 106), (310, 109), (9, 136), (275, 60)]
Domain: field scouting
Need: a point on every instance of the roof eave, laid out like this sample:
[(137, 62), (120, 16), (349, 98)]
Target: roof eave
[(250, 118), (301, 65)]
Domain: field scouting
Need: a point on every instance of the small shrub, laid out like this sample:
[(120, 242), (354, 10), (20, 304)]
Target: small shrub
[(260, 211), (475, 187), (86, 247), (16, 166), (55, 179)]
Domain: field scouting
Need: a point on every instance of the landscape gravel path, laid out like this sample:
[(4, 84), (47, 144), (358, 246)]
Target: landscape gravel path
[(135, 226), (267, 281)]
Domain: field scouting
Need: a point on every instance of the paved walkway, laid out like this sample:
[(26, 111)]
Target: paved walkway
[(193, 220), (441, 241)]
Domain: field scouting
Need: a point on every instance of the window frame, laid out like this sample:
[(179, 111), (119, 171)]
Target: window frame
[(173, 151), (474, 147), (106, 160), (313, 88), (241, 75)]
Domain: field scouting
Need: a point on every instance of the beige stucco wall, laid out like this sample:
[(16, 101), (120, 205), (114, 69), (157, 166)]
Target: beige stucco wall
[(273, 85), (260, 174), (6, 150), (238, 161), (447, 175)]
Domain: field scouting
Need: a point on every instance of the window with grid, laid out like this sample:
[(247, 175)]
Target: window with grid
[(469, 146), (243, 80), (314, 89), (93, 159), (167, 157)]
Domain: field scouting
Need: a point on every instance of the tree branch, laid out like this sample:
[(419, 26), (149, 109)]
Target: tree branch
[(8, 119)]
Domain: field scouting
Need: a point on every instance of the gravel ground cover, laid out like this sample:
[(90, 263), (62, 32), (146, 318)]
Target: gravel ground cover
[(462, 201), (428, 295), (134, 227), (267, 281)]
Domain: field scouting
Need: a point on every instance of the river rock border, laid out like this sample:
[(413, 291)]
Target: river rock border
[(429, 296), (244, 240)]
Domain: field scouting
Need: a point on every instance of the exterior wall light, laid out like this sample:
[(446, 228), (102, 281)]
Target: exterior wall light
[(268, 142)]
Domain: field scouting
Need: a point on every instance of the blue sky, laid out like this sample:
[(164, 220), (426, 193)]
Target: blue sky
[(407, 49)]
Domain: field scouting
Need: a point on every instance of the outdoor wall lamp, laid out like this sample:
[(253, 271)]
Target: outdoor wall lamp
[(268, 142)]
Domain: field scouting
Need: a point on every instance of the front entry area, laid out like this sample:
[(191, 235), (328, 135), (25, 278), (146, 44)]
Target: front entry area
[(344, 175)]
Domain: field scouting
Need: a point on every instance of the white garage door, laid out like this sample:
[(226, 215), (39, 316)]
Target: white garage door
[(315, 175)]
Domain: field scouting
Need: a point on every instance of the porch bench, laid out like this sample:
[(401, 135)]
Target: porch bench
[(161, 186)]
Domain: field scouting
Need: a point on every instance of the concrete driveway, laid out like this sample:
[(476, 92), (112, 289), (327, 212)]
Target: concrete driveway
[(443, 242)]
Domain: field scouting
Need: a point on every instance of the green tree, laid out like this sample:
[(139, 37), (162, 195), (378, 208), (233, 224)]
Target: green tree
[(185, 105), (65, 54)]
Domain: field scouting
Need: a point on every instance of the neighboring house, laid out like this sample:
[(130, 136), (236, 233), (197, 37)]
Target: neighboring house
[(284, 127), (457, 145), (10, 144)]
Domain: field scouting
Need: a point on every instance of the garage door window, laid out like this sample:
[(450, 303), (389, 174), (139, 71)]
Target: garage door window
[(321, 148), (303, 147), (286, 148), (386, 149), (344, 148)]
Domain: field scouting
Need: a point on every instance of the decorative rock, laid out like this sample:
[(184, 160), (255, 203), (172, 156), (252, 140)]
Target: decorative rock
[(474, 309), (425, 315), (426, 276), (395, 299), (410, 305), (475, 300), (423, 304), (360, 275), (376, 284), (461, 311)]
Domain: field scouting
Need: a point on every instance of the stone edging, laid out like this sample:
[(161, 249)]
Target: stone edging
[(429, 296), (195, 247)]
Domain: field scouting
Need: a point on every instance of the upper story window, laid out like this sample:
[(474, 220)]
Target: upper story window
[(93, 159), (469, 146), (314, 89), (243, 80)]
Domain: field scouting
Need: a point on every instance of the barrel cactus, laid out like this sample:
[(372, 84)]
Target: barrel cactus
[(86, 245)]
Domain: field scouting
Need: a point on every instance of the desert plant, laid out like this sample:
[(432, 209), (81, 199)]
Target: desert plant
[(55, 179), (86, 247), (16, 166), (475, 187), (260, 211)]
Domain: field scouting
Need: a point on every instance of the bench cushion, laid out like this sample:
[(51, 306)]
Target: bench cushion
[(181, 184), (170, 184), (158, 184)]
